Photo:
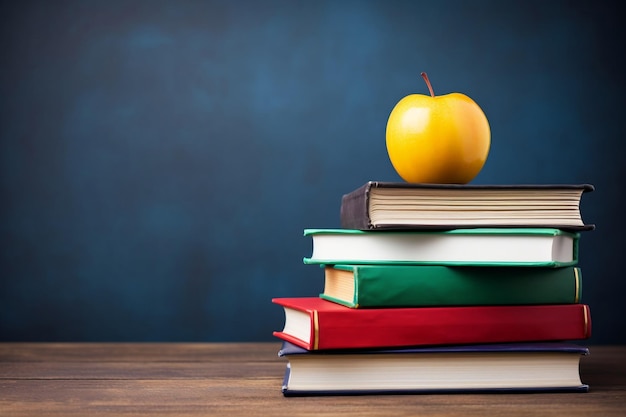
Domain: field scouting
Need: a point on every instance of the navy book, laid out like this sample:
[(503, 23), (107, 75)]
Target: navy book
[(402, 205), (512, 367)]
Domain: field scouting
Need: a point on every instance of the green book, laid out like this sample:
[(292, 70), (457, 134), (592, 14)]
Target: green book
[(372, 286)]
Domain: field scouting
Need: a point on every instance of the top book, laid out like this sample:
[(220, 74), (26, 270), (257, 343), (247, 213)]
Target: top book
[(397, 205)]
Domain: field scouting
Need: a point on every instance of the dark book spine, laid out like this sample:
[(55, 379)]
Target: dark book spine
[(354, 213)]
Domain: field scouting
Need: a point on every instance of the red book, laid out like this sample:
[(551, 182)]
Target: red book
[(316, 324)]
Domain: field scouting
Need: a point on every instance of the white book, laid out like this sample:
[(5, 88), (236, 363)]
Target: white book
[(481, 246)]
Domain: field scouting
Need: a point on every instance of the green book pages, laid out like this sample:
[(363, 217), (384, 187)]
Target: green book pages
[(371, 286), (472, 247)]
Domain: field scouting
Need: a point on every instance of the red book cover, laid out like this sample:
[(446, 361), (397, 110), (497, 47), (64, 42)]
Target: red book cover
[(316, 324)]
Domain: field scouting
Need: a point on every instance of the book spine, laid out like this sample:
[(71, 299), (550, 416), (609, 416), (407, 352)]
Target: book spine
[(354, 209), (419, 286)]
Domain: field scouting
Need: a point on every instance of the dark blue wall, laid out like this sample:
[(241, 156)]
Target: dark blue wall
[(160, 159)]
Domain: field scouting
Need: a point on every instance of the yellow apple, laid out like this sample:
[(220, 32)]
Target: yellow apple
[(437, 139)]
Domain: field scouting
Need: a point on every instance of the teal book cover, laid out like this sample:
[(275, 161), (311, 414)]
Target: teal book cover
[(376, 286)]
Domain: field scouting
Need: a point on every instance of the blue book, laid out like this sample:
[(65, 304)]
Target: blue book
[(513, 367)]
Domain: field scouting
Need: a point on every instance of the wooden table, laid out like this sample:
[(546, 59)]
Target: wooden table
[(233, 379)]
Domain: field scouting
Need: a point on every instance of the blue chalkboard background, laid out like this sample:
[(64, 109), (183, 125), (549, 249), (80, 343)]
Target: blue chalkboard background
[(160, 159)]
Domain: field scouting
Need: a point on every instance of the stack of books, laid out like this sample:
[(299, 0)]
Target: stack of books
[(443, 288)]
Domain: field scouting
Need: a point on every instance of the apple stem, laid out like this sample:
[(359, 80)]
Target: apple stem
[(430, 87)]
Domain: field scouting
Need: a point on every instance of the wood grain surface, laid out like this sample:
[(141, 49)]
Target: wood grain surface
[(233, 379)]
